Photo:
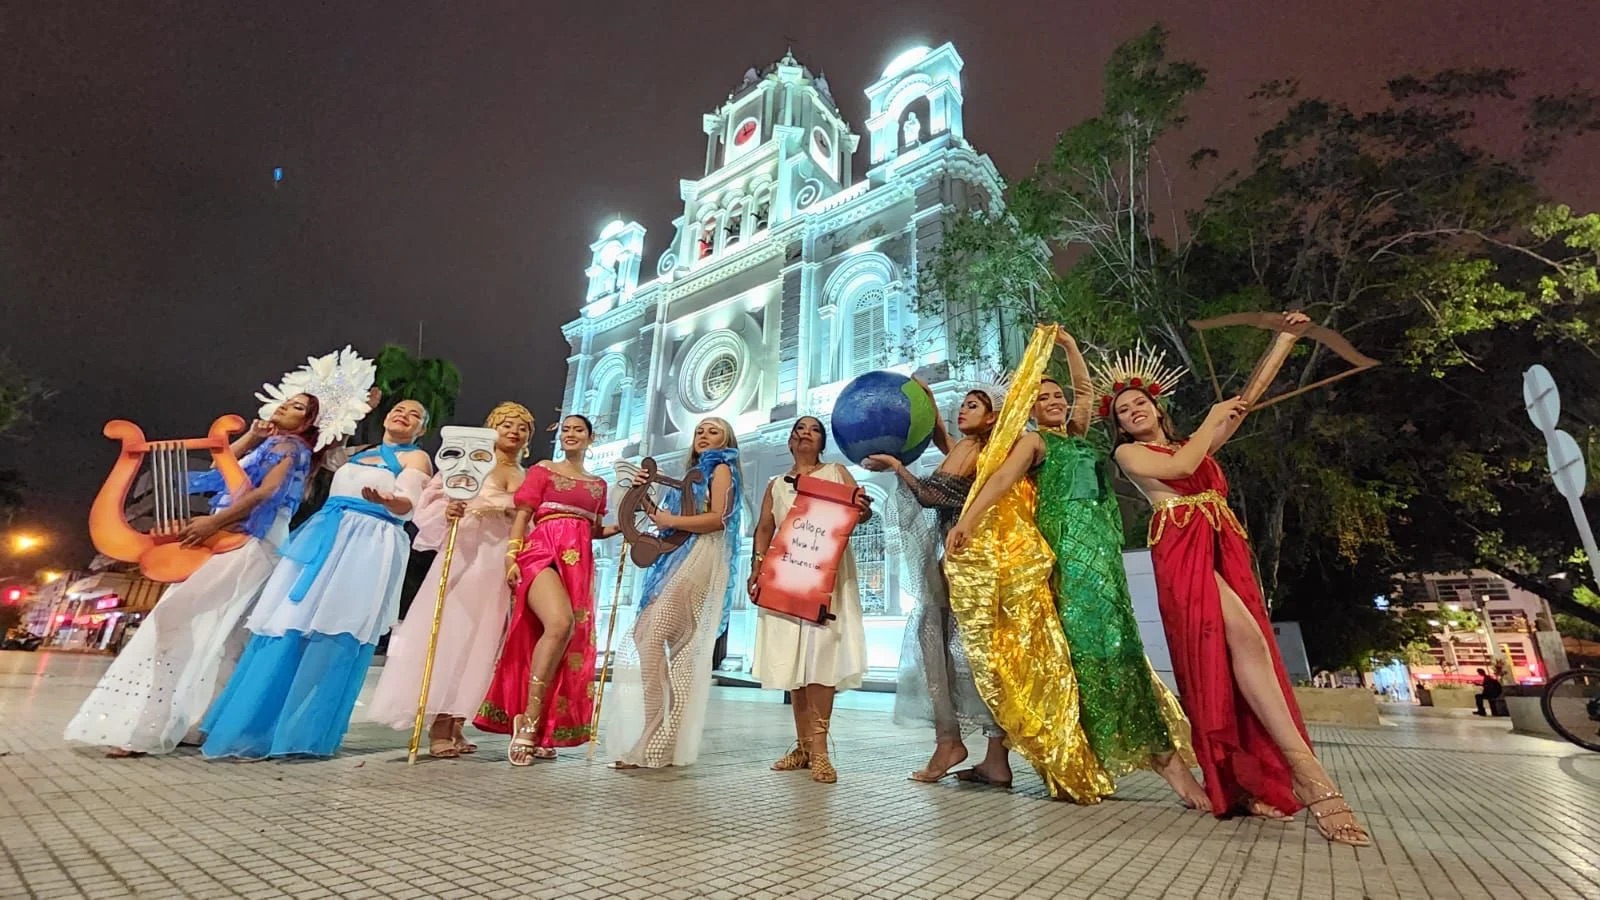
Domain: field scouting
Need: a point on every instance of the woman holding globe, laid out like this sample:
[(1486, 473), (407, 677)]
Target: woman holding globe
[(935, 680)]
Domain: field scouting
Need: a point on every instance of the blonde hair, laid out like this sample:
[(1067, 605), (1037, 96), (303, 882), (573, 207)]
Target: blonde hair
[(727, 429), (511, 412)]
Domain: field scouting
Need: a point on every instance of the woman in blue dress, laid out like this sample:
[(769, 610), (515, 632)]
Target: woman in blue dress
[(332, 596)]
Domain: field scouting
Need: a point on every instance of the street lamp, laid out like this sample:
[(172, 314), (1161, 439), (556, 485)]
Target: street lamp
[(24, 542)]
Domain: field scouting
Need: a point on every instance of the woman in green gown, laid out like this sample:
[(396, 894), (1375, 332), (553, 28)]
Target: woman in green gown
[(1130, 718)]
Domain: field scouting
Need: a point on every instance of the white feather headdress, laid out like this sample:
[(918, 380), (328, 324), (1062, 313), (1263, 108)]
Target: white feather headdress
[(340, 381)]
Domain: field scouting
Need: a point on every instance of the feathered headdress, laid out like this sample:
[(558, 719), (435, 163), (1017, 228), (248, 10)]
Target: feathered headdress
[(341, 382), (1142, 367)]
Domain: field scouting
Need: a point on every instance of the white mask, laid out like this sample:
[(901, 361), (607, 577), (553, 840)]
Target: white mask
[(465, 457)]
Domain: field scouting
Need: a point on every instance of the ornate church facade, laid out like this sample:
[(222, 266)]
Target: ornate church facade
[(787, 275)]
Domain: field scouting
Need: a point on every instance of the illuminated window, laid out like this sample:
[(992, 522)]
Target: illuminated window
[(719, 378), (868, 340), (868, 544)]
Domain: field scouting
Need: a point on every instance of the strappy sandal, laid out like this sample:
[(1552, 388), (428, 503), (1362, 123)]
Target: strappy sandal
[(524, 746), (822, 770), (443, 748), (1350, 833), (544, 753), (523, 743), (794, 760), (464, 746)]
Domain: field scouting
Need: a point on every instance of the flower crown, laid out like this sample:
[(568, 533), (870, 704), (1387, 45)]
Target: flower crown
[(340, 381), (1143, 367)]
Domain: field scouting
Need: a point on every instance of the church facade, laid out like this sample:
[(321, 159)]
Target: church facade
[(787, 275)]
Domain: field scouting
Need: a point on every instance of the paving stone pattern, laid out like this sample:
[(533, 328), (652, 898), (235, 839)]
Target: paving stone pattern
[(1458, 807)]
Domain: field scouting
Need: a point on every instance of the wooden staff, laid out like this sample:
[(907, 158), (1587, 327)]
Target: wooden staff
[(605, 662), (433, 643)]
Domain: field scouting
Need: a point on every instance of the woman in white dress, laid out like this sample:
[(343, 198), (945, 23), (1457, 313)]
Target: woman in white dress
[(161, 683), (662, 679), (334, 594), (810, 661)]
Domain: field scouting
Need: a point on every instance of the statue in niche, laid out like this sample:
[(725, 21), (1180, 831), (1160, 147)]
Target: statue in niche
[(912, 131)]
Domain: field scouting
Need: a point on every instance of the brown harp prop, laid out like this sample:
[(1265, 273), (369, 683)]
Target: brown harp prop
[(158, 552), (645, 545), (1267, 367)]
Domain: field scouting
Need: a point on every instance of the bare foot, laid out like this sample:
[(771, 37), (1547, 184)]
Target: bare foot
[(988, 773), (122, 753), (1182, 781), (946, 756), (1267, 811)]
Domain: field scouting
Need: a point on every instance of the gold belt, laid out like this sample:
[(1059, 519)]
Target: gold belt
[(561, 515), (1181, 510)]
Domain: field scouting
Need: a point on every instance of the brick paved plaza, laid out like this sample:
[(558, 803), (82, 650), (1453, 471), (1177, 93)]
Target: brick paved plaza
[(1458, 808)]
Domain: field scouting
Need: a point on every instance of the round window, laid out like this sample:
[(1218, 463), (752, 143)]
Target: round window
[(718, 378)]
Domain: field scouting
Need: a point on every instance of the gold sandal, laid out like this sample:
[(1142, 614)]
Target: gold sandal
[(794, 760), (822, 770), (1350, 833), (524, 746)]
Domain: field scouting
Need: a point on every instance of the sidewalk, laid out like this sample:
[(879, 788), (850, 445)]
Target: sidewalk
[(1458, 808)]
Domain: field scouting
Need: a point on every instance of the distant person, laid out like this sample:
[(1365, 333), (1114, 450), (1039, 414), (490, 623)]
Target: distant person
[(1492, 691)]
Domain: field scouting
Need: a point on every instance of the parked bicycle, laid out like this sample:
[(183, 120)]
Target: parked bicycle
[(1571, 704)]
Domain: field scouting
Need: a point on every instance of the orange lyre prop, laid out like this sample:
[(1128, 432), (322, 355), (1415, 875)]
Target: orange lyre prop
[(159, 554), (802, 562)]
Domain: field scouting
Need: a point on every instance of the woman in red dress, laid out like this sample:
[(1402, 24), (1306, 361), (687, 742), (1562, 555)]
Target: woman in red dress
[(1248, 734), (543, 688)]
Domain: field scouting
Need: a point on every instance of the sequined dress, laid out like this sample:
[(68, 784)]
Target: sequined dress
[(935, 679), (1127, 713), (1001, 595)]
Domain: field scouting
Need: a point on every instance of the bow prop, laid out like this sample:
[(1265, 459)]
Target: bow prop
[(645, 545), (1267, 367)]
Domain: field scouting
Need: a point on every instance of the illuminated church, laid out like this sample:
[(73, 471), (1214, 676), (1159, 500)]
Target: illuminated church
[(787, 274)]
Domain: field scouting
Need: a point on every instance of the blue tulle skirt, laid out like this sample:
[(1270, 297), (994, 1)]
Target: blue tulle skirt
[(290, 696)]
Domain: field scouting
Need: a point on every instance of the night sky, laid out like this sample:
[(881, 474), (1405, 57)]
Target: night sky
[(450, 164)]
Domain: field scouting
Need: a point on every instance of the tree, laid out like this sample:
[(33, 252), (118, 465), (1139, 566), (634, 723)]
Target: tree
[(435, 383), (19, 394), (1397, 227)]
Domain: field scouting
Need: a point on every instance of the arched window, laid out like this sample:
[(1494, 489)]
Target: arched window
[(872, 573), (610, 401), (867, 339)]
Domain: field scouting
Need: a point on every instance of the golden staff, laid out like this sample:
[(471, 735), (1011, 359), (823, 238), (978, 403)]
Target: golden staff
[(605, 662), (433, 643)]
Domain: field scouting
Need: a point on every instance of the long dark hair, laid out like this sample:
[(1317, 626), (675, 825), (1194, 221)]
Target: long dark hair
[(988, 403), (309, 432), (1120, 436)]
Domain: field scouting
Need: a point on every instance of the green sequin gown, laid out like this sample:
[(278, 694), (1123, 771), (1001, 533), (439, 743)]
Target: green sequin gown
[(1127, 713)]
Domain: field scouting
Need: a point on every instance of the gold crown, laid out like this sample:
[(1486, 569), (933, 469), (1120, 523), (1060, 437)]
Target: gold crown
[(1142, 367)]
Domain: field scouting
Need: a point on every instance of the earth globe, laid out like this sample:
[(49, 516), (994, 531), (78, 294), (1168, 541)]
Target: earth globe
[(883, 412)]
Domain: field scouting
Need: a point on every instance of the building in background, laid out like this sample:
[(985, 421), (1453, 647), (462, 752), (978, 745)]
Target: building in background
[(1506, 625), (787, 275)]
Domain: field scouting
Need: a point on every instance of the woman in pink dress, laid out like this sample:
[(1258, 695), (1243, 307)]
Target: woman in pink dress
[(542, 691), (474, 603)]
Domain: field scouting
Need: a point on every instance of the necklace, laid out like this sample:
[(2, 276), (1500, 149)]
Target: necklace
[(795, 469), (1055, 429)]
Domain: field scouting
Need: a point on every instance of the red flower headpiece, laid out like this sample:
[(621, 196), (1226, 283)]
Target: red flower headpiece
[(1142, 368)]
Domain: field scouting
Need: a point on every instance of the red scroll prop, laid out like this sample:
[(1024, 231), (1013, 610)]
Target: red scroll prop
[(802, 562)]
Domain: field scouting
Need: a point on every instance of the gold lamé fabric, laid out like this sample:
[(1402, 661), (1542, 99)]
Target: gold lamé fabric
[(1001, 598)]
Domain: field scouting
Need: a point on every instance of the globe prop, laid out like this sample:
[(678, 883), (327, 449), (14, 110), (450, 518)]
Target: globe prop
[(883, 412)]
